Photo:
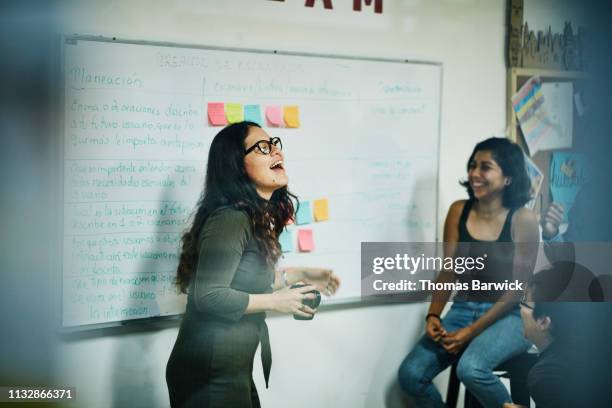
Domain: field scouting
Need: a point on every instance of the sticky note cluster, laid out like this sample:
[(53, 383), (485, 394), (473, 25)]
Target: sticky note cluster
[(221, 114), (308, 212), (318, 212), (285, 116)]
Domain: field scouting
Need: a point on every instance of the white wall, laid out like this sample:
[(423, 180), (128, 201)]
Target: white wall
[(347, 357)]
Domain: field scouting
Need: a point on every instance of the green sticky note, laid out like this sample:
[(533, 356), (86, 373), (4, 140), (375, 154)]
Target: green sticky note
[(234, 112)]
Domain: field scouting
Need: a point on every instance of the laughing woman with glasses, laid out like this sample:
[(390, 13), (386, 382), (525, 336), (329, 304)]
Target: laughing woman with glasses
[(227, 270)]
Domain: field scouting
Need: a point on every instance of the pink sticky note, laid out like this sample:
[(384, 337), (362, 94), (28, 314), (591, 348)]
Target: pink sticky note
[(305, 240), (216, 114), (274, 115)]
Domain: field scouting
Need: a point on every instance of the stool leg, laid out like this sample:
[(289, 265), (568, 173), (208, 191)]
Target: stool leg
[(519, 390), (452, 392), (470, 401)]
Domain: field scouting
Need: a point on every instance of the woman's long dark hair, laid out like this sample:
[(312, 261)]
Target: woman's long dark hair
[(227, 184), (510, 158)]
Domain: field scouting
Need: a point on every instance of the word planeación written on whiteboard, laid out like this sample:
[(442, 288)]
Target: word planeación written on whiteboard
[(357, 4), (79, 75)]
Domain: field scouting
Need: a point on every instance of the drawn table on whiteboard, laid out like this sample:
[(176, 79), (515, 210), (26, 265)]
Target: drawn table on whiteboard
[(136, 139)]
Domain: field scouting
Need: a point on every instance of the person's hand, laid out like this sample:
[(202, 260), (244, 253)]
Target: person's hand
[(434, 329), (324, 280), (552, 219), (510, 405), (455, 342), (289, 300)]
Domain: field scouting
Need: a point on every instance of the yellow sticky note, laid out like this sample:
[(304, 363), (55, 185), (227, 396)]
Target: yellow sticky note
[(292, 116), (320, 210), (234, 112)]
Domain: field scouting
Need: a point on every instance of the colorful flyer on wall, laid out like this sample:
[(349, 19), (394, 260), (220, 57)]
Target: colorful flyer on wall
[(528, 104), (567, 176)]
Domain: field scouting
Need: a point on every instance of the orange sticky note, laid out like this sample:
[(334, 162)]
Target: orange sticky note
[(234, 112), (320, 210), (292, 116), (216, 114), (274, 115), (305, 240)]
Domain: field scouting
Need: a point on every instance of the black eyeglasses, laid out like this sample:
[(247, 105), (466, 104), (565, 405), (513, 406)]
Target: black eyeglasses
[(265, 146), (524, 303)]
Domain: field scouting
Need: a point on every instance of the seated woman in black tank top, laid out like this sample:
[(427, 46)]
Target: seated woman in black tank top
[(483, 327)]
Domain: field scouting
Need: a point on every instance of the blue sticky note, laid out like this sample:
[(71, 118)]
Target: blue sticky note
[(252, 113), (304, 215), (286, 241)]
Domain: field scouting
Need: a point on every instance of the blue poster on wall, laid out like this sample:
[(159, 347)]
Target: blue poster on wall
[(567, 176)]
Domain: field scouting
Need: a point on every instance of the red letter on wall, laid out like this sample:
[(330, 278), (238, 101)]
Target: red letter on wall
[(377, 5), (326, 3)]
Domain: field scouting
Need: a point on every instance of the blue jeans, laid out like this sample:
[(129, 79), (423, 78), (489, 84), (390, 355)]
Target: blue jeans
[(499, 342)]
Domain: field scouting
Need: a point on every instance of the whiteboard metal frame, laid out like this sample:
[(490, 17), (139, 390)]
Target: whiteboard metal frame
[(327, 303)]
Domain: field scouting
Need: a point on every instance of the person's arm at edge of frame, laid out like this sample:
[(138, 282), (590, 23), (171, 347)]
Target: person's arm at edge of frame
[(556, 245)]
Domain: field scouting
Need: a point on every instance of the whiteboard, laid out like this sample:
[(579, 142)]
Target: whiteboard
[(135, 143)]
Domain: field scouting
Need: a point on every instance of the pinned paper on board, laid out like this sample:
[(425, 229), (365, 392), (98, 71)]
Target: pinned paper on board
[(252, 113), (292, 116), (567, 176), (303, 215), (234, 112), (321, 212), (528, 103), (536, 178), (286, 241), (559, 97), (305, 240), (274, 116), (216, 114)]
